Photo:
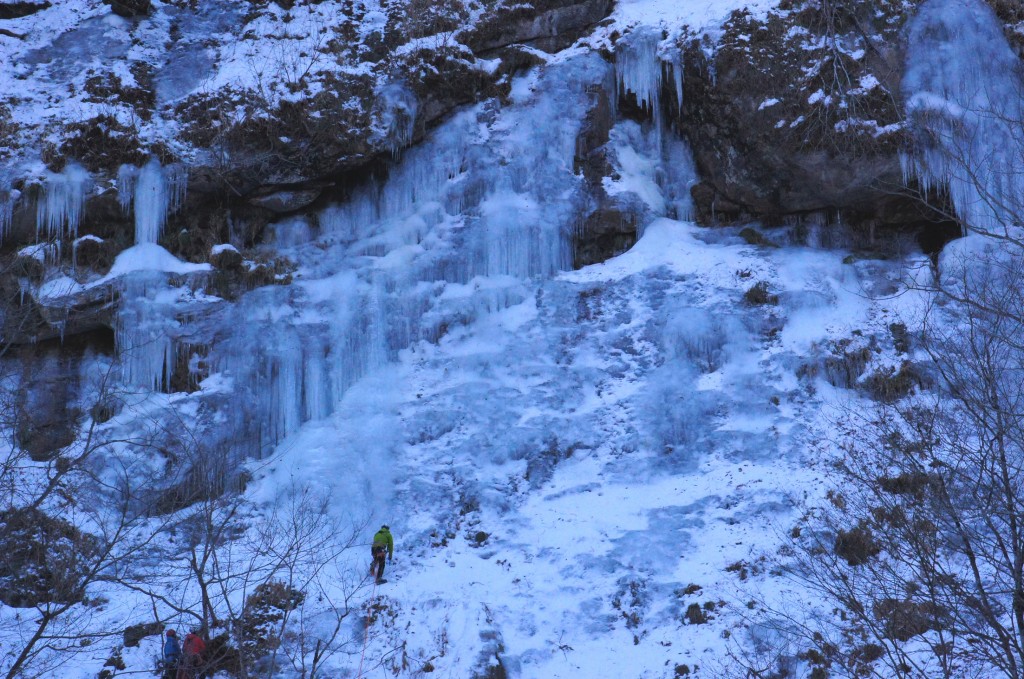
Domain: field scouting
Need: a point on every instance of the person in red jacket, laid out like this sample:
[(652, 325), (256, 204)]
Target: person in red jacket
[(192, 655)]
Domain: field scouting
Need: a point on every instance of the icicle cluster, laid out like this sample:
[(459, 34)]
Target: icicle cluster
[(398, 108), (640, 66), (126, 176), (488, 201), (59, 208), (963, 90), (144, 331), (158, 192)]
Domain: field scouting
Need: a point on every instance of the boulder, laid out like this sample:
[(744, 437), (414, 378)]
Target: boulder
[(135, 633), (93, 253), (226, 258)]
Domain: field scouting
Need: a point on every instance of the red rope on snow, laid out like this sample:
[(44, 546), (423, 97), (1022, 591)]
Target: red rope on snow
[(366, 633)]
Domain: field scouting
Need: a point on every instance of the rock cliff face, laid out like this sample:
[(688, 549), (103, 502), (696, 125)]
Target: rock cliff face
[(328, 94), (251, 113), (801, 112), (797, 113)]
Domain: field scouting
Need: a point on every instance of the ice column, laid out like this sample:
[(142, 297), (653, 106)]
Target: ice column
[(158, 191), (126, 176), (8, 197), (963, 91), (144, 331), (59, 208)]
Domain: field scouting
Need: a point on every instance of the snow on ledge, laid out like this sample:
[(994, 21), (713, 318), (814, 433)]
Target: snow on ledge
[(223, 247), (59, 288), (698, 14), (143, 257), (151, 257), (36, 251)]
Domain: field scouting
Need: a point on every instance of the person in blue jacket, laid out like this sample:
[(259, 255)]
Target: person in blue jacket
[(171, 655)]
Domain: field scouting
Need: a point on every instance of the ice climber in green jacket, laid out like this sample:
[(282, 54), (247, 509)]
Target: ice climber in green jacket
[(383, 545)]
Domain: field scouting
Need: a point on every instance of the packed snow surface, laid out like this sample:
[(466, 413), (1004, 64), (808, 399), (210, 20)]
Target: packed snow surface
[(558, 473)]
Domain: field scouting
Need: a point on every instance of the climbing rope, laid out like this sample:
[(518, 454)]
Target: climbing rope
[(366, 632)]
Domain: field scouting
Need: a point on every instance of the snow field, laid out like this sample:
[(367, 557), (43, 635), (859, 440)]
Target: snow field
[(585, 556)]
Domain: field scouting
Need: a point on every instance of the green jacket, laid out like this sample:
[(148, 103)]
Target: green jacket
[(383, 537)]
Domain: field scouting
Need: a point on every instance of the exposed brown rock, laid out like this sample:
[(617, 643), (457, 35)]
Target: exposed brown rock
[(771, 140), (16, 10), (130, 9)]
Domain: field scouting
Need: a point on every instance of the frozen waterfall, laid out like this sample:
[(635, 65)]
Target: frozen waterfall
[(487, 202), (155, 191), (467, 223), (963, 88)]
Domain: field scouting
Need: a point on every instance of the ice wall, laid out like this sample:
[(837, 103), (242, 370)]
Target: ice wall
[(963, 90), (467, 222), (60, 203), (487, 203)]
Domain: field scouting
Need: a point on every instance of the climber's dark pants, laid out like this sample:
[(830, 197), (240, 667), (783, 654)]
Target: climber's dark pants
[(379, 553)]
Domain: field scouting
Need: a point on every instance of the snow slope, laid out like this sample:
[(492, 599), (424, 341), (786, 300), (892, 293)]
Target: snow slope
[(655, 471)]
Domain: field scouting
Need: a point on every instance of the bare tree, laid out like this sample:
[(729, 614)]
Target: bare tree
[(920, 552), (72, 523)]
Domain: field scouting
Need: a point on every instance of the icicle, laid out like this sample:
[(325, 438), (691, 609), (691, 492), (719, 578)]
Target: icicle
[(59, 208), (159, 191), (144, 331), (177, 182), (962, 87), (638, 68), (126, 176), (8, 198)]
